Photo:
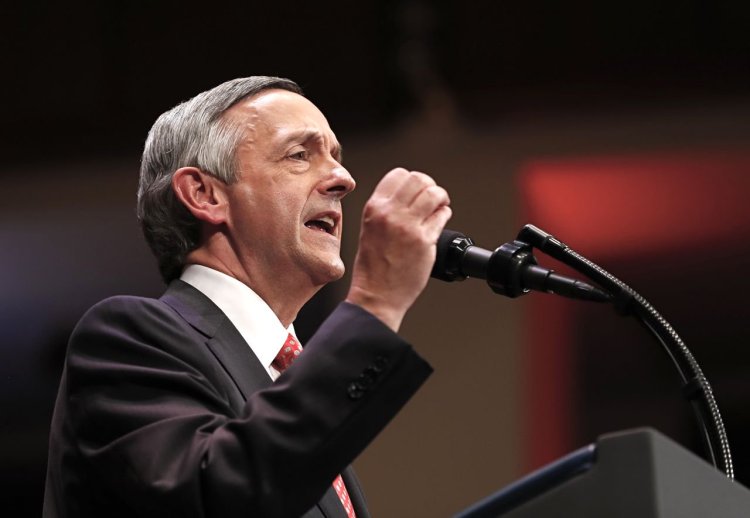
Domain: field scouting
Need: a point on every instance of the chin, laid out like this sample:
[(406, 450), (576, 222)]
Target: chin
[(328, 272)]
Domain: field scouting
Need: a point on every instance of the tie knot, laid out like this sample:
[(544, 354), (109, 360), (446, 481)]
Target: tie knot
[(288, 353)]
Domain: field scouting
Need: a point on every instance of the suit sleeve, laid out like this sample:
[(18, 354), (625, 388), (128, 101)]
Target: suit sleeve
[(152, 422)]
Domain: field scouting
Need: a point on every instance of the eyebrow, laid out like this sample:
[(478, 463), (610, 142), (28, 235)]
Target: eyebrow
[(310, 134)]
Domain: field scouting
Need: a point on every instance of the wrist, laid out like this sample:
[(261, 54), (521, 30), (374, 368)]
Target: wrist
[(376, 306)]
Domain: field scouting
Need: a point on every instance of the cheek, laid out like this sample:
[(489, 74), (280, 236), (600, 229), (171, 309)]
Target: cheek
[(272, 207), (278, 216), (287, 205)]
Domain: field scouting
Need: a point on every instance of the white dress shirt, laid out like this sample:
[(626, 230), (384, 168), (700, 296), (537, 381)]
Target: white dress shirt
[(253, 318)]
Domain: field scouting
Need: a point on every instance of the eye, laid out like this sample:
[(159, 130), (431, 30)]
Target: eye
[(299, 155)]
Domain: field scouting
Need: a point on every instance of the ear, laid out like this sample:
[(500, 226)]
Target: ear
[(202, 194)]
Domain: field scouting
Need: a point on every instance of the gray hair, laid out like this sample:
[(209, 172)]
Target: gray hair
[(192, 134)]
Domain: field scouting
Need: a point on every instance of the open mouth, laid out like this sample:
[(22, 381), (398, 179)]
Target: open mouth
[(322, 224)]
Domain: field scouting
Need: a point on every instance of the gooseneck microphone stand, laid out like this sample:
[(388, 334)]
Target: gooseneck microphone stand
[(512, 270), (628, 302)]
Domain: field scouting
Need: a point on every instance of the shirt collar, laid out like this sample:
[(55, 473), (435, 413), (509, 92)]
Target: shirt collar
[(253, 318)]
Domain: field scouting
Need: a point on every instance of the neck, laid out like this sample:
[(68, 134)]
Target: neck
[(285, 296)]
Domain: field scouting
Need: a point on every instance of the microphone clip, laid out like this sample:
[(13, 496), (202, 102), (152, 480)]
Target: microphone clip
[(507, 266)]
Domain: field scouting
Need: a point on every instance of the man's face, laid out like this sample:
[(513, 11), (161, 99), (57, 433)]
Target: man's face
[(285, 217)]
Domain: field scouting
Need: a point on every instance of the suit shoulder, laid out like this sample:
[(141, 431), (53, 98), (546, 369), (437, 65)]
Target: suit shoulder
[(123, 309), (128, 319), (126, 303)]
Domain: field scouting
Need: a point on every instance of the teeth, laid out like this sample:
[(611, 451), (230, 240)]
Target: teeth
[(324, 223), (327, 220)]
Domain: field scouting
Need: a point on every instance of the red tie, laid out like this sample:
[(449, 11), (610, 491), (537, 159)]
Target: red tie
[(287, 354), (284, 359)]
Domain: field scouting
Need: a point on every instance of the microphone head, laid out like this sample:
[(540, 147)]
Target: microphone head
[(450, 248)]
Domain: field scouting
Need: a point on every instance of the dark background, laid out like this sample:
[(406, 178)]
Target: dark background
[(92, 77), (83, 82)]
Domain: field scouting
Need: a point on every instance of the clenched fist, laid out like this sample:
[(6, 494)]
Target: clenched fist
[(401, 223)]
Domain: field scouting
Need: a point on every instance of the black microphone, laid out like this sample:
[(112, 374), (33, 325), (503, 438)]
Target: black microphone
[(510, 270)]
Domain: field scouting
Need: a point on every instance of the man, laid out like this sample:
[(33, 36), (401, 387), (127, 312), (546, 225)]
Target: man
[(176, 406)]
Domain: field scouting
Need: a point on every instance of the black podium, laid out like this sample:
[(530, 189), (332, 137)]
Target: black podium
[(630, 474)]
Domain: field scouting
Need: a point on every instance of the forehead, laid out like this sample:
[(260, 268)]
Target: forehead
[(275, 113)]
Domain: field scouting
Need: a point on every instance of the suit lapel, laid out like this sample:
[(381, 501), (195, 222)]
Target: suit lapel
[(222, 338), (239, 360)]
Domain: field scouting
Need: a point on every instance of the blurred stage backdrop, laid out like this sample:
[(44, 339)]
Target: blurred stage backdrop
[(622, 128)]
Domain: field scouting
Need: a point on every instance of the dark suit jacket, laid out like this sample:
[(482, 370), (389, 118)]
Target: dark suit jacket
[(163, 410)]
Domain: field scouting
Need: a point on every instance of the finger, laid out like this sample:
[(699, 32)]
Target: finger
[(412, 187), (436, 222), (391, 182), (428, 201)]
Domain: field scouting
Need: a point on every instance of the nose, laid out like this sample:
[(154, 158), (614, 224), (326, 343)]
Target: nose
[(339, 182)]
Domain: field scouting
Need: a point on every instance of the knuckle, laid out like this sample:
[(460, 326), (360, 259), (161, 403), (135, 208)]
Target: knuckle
[(439, 191), (423, 178), (436, 194), (374, 210)]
